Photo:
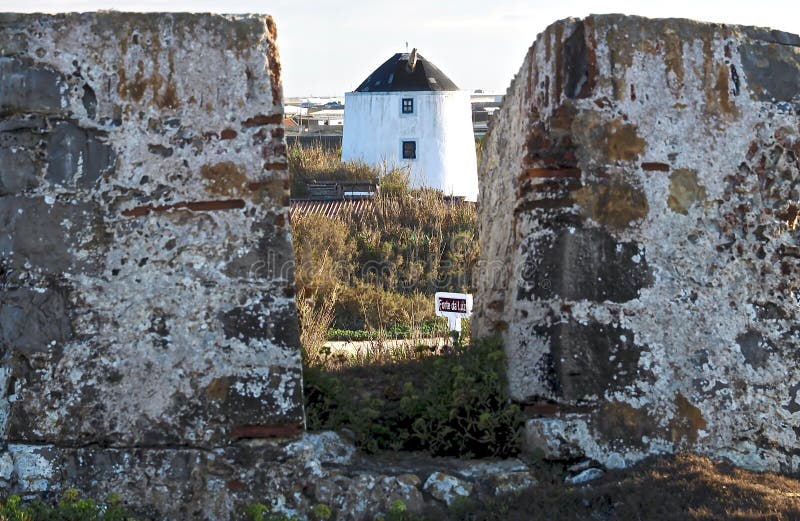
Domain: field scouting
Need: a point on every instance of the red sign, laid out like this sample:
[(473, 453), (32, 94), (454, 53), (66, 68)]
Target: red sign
[(453, 305)]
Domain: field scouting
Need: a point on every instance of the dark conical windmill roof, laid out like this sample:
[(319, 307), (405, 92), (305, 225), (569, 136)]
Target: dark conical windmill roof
[(396, 74)]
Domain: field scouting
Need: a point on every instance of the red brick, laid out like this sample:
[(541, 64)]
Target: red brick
[(196, 206), (655, 167), (285, 430), (262, 119)]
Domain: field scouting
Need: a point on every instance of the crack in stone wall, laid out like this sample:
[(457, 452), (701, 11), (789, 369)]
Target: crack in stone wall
[(639, 204)]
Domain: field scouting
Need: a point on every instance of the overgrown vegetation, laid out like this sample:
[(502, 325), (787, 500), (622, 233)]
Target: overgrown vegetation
[(71, 507), (453, 404), (372, 274), (312, 164)]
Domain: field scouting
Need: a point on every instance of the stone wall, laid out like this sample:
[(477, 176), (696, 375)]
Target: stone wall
[(639, 208), (145, 254)]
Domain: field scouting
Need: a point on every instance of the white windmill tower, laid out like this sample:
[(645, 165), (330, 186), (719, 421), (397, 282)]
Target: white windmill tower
[(410, 113)]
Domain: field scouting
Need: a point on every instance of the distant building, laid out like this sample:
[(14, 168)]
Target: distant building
[(409, 113)]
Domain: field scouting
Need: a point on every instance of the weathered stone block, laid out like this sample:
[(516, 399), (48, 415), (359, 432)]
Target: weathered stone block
[(30, 88), (583, 264), (136, 311), (77, 155), (34, 320), (18, 171), (640, 191), (41, 234)]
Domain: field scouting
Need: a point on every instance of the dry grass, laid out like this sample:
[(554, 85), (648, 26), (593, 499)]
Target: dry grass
[(316, 314), (385, 264), (337, 356), (684, 487), (315, 163)]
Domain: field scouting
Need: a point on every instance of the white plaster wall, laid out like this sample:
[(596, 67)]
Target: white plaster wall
[(374, 129)]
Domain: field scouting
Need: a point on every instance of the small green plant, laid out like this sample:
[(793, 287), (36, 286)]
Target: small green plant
[(450, 405), (257, 512), (397, 511), (321, 512), (261, 512), (71, 507)]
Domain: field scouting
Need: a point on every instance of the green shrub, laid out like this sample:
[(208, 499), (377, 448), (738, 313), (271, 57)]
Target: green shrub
[(71, 507), (425, 329), (261, 512), (451, 405), (321, 512)]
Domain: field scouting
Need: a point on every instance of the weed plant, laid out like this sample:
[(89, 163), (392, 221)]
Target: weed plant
[(455, 404), (71, 507)]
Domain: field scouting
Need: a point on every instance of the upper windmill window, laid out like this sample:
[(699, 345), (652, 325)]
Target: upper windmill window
[(408, 105)]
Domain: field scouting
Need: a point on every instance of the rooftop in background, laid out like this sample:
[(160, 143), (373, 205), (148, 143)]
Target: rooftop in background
[(407, 72)]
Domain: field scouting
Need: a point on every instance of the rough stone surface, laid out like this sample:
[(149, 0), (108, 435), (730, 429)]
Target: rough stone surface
[(640, 191), (147, 303), (290, 476), (446, 488), (585, 476)]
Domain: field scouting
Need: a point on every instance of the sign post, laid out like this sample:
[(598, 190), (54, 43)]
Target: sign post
[(454, 306)]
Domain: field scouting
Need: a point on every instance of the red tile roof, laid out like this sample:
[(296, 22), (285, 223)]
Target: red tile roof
[(331, 209)]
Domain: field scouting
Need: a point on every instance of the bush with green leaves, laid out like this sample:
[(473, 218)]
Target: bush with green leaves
[(261, 512), (451, 405), (71, 507)]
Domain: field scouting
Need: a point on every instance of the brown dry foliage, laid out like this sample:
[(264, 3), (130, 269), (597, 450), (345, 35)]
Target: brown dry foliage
[(684, 487)]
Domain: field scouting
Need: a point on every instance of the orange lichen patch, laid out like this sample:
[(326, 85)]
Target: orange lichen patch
[(673, 63), (687, 421), (722, 88), (625, 42), (620, 422), (217, 390), (170, 97), (225, 178), (136, 88), (614, 140), (622, 142), (273, 61), (616, 204), (684, 191), (275, 189)]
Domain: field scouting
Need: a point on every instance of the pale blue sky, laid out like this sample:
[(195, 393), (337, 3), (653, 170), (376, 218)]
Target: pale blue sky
[(328, 47)]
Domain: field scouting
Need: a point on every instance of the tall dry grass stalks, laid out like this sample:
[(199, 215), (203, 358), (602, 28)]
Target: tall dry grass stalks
[(316, 313)]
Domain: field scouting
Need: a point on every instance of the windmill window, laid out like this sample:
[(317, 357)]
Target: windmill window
[(408, 105), (409, 149)]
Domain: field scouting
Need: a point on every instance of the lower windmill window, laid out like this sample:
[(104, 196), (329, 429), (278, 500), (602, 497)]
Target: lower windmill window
[(409, 149)]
